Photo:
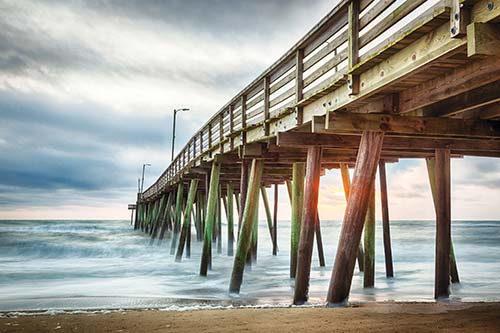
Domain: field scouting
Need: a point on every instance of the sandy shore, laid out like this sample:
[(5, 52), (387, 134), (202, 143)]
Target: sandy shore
[(380, 317)]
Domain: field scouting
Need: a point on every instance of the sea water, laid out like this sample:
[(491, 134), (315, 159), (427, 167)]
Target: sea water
[(107, 264)]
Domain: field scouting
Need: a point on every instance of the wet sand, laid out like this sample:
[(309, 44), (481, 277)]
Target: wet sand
[(374, 317)]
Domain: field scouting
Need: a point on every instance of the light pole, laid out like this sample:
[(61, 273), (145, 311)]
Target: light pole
[(143, 169), (173, 131)]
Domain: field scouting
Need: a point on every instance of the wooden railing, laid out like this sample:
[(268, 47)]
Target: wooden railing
[(353, 37)]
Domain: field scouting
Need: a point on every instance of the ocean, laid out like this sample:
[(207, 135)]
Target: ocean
[(107, 265)]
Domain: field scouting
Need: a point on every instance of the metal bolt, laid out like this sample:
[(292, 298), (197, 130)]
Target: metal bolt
[(453, 30), (457, 16), (490, 5)]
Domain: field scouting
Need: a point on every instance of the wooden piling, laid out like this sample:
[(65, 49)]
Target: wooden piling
[(389, 270), (159, 218), (178, 217), (244, 240), (431, 167), (219, 222), (357, 206), (268, 212), (193, 187), (255, 234), (308, 225), (369, 243), (275, 221), (346, 183), (230, 219), (243, 191), (298, 171), (210, 217), (319, 242), (443, 223)]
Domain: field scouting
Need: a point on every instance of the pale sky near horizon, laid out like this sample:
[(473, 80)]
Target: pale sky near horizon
[(87, 90)]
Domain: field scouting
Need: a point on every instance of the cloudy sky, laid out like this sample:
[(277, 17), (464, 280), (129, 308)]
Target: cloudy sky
[(87, 90)]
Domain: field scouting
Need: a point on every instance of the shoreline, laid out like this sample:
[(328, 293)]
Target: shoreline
[(373, 316)]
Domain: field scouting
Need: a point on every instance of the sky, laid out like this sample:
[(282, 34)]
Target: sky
[(87, 90)]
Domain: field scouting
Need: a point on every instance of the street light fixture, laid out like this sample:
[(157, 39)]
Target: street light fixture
[(173, 131), (143, 169)]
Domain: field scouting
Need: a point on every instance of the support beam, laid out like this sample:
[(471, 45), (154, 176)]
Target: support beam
[(178, 216), (249, 212), (297, 205), (230, 219), (319, 242), (430, 126), (389, 270), (369, 243), (483, 39), (308, 225), (275, 221), (243, 191), (193, 187), (298, 140), (166, 217), (357, 206), (210, 217), (268, 212), (346, 182), (443, 223), (431, 170)]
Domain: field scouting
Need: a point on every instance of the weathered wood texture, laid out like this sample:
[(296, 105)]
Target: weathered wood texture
[(443, 223), (354, 217), (369, 243), (389, 269), (346, 182), (244, 240), (193, 187), (297, 205), (210, 218), (308, 225)]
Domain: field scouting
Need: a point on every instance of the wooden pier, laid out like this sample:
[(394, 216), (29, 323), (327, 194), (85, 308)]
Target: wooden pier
[(373, 82)]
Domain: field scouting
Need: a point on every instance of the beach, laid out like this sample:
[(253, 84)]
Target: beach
[(373, 317)]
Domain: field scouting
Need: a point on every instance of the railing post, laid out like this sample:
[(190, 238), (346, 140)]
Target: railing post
[(231, 126), (243, 119), (353, 46), (221, 131), (299, 84), (267, 83)]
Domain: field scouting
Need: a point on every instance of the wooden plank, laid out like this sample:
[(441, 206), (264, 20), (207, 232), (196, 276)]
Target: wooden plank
[(472, 99), (406, 8), (308, 225), (483, 39), (458, 81), (340, 123), (352, 225), (404, 36)]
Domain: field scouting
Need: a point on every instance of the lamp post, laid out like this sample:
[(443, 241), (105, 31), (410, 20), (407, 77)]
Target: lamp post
[(143, 169), (173, 131)]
